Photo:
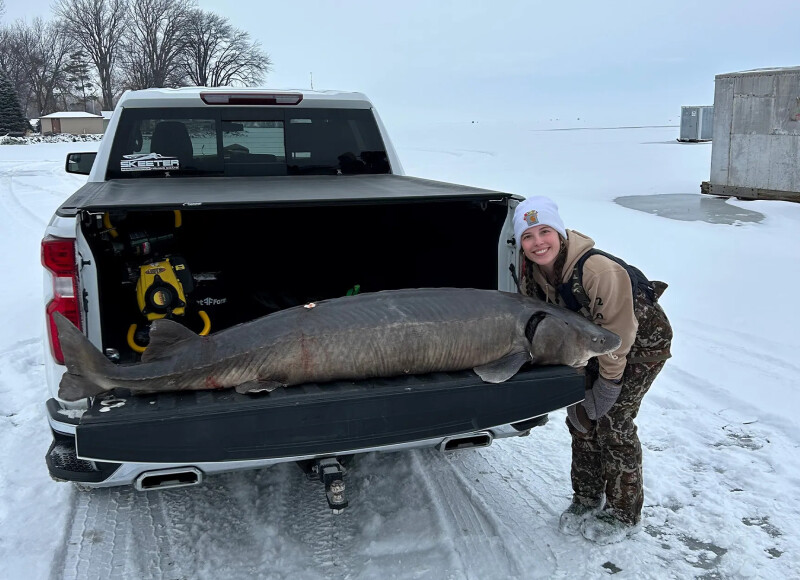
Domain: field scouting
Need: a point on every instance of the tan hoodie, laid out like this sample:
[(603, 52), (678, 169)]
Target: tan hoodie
[(611, 300)]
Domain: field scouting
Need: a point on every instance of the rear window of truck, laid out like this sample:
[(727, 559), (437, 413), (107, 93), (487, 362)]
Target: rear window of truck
[(233, 141)]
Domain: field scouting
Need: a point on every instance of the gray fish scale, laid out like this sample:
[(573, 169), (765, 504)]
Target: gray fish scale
[(384, 336)]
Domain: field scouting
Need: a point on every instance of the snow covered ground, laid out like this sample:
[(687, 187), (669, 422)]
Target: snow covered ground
[(722, 467)]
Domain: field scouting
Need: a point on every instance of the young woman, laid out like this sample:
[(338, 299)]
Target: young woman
[(606, 453)]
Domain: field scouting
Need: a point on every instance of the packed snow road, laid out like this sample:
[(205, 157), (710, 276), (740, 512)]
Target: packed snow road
[(720, 443)]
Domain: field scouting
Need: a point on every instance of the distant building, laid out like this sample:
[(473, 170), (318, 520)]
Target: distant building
[(106, 118), (697, 124), (73, 123)]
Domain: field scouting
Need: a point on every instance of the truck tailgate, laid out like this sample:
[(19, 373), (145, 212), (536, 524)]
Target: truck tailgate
[(205, 426)]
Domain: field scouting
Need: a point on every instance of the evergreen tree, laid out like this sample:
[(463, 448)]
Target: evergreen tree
[(11, 118)]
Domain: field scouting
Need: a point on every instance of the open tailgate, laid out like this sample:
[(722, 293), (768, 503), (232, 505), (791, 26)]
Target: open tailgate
[(207, 426)]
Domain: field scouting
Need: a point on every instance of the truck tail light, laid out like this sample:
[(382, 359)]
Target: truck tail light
[(251, 98), (58, 257)]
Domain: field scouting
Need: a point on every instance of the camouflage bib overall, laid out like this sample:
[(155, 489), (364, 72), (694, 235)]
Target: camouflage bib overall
[(608, 458)]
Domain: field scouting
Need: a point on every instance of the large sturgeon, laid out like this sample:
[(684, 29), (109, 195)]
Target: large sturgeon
[(379, 334)]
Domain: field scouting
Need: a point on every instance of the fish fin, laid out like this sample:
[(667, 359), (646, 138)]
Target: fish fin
[(258, 387), (164, 334), (76, 387), (503, 368), (80, 356)]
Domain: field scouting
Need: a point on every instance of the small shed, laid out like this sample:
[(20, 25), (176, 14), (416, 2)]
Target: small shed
[(72, 122), (697, 124), (755, 153)]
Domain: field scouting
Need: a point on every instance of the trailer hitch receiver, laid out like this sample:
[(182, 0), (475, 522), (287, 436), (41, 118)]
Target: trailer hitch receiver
[(331, 473)]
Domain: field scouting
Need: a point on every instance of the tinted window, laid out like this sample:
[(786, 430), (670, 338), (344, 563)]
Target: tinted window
[(246, 141)]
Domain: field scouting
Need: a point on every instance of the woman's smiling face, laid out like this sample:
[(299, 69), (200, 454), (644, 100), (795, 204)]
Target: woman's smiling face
[(541, 244)]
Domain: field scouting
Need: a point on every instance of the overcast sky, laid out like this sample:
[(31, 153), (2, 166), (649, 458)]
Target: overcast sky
[(466, 60)]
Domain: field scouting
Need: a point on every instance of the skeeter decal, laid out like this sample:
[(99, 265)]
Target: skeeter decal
[(148, 162)]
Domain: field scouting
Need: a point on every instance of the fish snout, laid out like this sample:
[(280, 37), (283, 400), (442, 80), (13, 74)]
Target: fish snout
[(605, 341)]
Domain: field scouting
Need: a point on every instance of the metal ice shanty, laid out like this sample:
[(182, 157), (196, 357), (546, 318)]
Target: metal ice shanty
[(756, 148), (697, 124)]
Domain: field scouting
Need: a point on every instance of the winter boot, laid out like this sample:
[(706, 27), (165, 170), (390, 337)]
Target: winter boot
[(572, 518), (605, 528)]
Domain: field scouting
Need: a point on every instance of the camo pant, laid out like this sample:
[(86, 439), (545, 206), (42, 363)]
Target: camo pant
[(608, 459)]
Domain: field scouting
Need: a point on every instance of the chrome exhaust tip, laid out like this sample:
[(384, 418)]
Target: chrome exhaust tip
[(168, 478), (469, 441)]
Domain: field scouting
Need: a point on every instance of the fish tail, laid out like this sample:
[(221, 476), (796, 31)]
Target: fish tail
[(76, 387), (83, 360)]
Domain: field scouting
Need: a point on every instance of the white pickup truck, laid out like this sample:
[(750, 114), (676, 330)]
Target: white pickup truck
[(216, 206)]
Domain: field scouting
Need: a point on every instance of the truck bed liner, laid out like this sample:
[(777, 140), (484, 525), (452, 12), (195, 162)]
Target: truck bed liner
[(204, 426)]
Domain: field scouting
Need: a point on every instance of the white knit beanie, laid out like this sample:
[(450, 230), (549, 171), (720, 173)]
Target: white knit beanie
[(536, 211)]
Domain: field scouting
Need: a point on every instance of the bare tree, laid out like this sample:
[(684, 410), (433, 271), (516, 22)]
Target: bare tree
[(97, 25), (218, 54), (44, 48), (153, 42)]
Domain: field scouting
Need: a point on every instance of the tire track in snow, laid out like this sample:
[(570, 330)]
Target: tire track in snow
[(484, 545), (377, 535), (756, 353), (327, 542), (22, 344), (14, 206), (213, 529), (170, 534), (115, 533), (270, 523)]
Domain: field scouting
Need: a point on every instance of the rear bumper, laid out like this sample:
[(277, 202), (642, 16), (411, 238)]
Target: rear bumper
[(223, 431)]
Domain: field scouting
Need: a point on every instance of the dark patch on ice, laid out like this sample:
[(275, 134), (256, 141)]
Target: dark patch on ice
[(763, 523), (691, 208), (705, 560), (653, 447), (654, 531), (606, 128), (742, 440), (676, 142), (774, 552), (611, 568)]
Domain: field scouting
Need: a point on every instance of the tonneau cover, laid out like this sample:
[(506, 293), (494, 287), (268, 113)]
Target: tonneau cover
[(200, 192)]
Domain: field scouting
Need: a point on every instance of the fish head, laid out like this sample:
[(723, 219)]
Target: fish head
[(566, 338)]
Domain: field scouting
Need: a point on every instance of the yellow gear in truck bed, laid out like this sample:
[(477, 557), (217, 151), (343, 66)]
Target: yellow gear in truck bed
[(158, 290)]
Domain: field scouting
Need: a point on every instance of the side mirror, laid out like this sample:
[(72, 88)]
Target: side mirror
[(80, 163)]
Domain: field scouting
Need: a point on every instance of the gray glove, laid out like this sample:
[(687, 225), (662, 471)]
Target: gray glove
[(578, 418), (601, 397)]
